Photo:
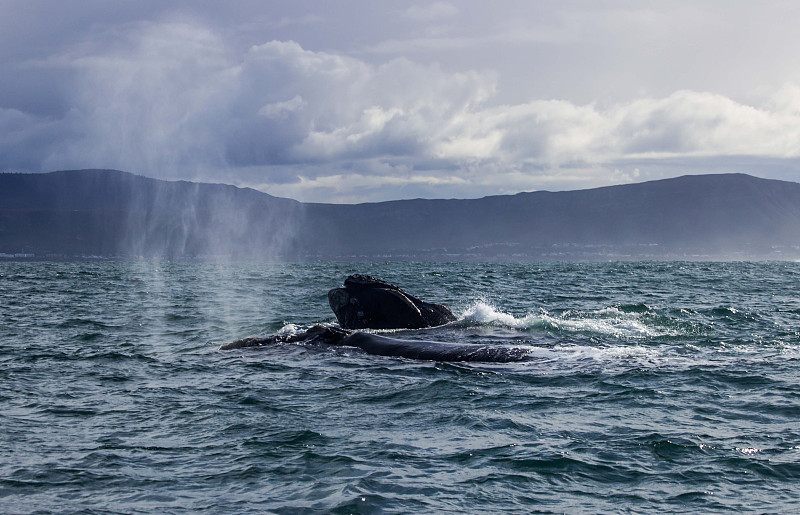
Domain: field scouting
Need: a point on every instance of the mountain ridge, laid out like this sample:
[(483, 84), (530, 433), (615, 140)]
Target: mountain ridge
[(111, 213)]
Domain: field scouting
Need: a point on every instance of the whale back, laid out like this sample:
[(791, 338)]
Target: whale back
[(434, 351)]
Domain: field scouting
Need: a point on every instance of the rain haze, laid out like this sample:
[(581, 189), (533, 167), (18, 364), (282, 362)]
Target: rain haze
[(358, 101)]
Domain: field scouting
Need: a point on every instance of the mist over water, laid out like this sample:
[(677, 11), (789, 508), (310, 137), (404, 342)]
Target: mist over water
[(220, 223), (651, 387)]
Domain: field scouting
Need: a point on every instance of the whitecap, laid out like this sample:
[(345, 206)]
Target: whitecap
[(289, 329), (609, 321)]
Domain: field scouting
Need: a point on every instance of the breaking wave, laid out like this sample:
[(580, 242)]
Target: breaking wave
[(610, 321)]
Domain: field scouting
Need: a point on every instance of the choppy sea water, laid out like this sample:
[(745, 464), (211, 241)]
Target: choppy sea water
[(652, 387)]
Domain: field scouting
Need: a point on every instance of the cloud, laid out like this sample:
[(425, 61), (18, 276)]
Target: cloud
[(431, 12), (149, 102), (173, 96), (173, 99), (685, 123), (282, 109)]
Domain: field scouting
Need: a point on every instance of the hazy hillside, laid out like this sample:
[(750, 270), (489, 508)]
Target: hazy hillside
[(111, 213)]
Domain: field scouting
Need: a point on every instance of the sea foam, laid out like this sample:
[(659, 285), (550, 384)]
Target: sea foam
[(608, 321)]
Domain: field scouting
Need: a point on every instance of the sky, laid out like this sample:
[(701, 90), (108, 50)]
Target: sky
[(360, 101)]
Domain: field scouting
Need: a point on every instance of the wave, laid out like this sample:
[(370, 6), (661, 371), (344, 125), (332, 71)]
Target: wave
[(610, 321), (624, 322)]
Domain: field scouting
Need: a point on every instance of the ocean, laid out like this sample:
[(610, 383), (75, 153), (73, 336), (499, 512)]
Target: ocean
[(651, 387)]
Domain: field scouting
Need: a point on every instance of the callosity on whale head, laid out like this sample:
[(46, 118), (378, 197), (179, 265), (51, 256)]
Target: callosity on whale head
[(369, 303)]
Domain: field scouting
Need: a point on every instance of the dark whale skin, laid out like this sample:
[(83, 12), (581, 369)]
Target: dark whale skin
[(366, 302), (433, 351), (384, 346)]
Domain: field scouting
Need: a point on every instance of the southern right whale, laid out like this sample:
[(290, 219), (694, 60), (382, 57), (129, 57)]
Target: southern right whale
[(384, 346), (369, 303), (434, 351)]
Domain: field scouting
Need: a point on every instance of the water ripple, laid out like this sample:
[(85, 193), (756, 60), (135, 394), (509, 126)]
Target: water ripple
[(653, 387)]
